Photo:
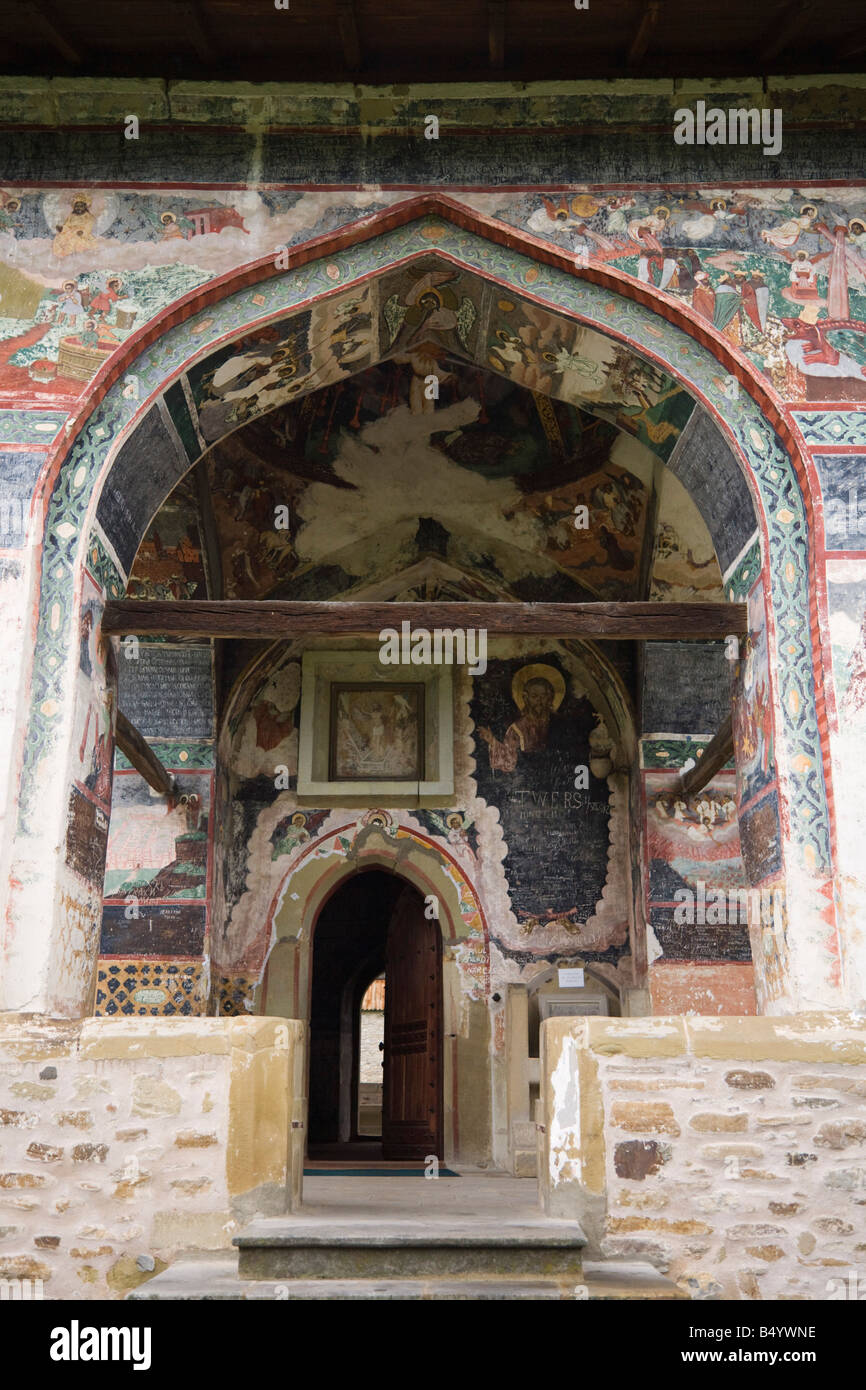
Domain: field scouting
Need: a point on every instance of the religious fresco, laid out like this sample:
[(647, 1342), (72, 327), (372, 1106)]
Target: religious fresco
[(317, 493), (169, 562), (157, 877), (266, 834), (533, 733), (157, 849), (765, 453), (81, 269), (430, 312), (377, 733), (269, 738), (576, 364), (780, 273), (276, 362), (693, 850), (684, 566), (91, 793), (753, 717)]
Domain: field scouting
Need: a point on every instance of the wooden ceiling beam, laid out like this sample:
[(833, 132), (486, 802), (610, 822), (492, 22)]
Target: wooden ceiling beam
[(194, 30), (783, 30), (643, 33), (496, 32), (53, 36), (855, 46), (347, 23), (256, 619), (133, 745), (718, 751)]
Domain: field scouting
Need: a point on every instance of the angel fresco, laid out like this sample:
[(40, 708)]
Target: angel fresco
[(454, 826), (422, 327)]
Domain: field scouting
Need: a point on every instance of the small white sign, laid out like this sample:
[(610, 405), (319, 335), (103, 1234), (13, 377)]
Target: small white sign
[(571, 978)]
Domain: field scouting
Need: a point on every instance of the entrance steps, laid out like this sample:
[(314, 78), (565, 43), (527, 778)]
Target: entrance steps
[(214, 1276), (380, 1237), (417, 1247)]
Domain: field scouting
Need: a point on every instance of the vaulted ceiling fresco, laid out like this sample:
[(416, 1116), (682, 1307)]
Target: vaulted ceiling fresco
[(429, 475)]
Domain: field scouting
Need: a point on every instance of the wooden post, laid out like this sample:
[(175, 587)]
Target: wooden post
[(141, 755), (717, 752)]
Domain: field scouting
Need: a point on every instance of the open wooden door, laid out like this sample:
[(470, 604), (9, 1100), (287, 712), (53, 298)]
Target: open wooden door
[(412, 1082)]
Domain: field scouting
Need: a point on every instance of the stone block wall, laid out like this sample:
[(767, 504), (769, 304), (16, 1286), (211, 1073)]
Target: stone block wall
[(124, 1142), (728, 1152)]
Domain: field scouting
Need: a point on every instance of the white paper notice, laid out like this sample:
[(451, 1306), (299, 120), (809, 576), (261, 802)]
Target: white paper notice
[(571, 978)]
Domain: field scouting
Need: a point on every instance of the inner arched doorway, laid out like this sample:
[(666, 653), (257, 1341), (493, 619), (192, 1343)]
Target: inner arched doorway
[(374, 928)]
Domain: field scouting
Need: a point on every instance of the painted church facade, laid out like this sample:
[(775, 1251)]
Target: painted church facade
[(268, 374)]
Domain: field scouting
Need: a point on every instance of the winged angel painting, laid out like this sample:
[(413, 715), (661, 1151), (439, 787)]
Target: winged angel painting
[(422, 326)]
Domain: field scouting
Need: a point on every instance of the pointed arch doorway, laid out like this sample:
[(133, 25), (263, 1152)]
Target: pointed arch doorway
[(374, 926)]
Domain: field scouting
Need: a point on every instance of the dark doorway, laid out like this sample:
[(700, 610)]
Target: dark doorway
[(374, 926)]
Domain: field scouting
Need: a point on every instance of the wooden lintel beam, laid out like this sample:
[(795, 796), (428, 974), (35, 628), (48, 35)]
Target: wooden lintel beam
[(718, 751), (496, 32), (347, 22), (132, 744), (243, 618), (648, 21)]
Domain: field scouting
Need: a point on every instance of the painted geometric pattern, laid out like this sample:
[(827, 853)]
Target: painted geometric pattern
[(31, 426), (742, 578), (149, 988), (777, 483), (102, 566), (173, 755), (231, 994), (832, 426)]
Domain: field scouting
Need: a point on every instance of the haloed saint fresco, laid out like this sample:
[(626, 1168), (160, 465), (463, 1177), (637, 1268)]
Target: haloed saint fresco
[(377, 733), (533, 731)]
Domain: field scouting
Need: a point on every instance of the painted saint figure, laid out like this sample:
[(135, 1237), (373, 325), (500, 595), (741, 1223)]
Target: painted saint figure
[(538, 691), (76, 233)]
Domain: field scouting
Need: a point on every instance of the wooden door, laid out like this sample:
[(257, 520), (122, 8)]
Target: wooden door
[(412, 1081)]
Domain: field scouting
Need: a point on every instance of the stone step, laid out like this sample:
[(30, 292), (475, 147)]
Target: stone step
[(214, 1277), (311, 1247)]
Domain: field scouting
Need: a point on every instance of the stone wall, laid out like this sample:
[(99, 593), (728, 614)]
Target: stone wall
[(372, 1034), (728, 1152), (124, 1142)]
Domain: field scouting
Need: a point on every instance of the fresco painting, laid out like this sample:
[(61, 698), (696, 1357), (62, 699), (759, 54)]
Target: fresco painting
[(157, 850), (91, 794), (377, 732), (753, 720), (778, 272), (694, 856), (321, 413), (685, 568), (533, 730), (169, 563), (331, 469)]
